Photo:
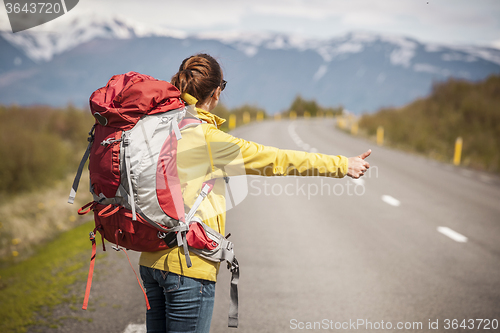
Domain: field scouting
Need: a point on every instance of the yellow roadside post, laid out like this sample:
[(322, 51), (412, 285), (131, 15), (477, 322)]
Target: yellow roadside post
[(246, 117), (232, 121), (380, 136), (293, 115), (307, 114), (458, 151), (354, 128), (260, 116), (341, 122)]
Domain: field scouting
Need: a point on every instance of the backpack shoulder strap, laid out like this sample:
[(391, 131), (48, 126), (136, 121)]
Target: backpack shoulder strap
[(189, 122)]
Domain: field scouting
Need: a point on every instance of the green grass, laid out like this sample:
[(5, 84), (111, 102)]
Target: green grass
[(42, 281)]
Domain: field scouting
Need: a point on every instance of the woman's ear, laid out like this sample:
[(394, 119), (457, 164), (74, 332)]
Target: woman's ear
[(217, 93), (214, 100)]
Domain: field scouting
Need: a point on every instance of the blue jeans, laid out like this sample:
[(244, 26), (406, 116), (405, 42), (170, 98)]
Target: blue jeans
[(178, 303)]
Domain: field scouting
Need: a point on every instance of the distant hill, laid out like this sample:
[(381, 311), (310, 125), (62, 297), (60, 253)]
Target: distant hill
[(360, 71), (454, 108)]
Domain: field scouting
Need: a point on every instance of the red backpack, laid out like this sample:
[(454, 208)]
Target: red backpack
[(138, 203)]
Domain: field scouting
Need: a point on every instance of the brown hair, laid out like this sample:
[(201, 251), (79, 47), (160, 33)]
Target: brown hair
[(198, 75)]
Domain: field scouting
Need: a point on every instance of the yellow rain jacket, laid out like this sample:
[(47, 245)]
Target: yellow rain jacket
[(195, 165)]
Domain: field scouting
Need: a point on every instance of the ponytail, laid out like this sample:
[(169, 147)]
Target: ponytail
[(199, 76)]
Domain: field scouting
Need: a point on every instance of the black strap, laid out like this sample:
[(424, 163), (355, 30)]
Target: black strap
[(233, 306), (170, 239), (85, 157)]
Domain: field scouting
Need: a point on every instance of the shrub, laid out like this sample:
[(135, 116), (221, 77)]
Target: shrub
[(39, 145), (454, 108)]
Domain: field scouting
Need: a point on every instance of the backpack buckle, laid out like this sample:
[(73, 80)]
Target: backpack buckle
[(233, 266), (205, 190)]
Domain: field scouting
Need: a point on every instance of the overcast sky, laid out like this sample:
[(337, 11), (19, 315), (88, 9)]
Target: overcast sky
[(441, 21)]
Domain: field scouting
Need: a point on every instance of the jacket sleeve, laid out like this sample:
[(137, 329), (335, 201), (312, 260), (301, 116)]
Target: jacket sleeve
[(262, 160)]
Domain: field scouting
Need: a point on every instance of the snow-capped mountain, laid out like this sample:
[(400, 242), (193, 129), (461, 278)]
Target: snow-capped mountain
[(361, 71), (43, 46)]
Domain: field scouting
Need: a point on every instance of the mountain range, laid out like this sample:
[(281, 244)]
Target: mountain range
[(361, 71)]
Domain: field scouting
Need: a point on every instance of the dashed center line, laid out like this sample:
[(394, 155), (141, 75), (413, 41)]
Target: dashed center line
[(298, 141), (452, 234), (306, 147), (391, 201)]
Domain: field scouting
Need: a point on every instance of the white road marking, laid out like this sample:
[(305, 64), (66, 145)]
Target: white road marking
[(358, 181), (452, 234), (306, 147), (135, 328), (64, 6), (391, 201), (298, 141)]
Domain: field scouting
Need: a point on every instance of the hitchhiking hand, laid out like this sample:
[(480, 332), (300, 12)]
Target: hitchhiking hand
[(357, 166)]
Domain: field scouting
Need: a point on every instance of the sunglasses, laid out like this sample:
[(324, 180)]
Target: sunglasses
[(222, 87)]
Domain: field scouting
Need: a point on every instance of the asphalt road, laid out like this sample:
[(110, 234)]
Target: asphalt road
[(412, 246), (338, 251)]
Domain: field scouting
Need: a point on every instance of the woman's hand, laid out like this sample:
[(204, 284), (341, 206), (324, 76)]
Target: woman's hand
[(357, 166)]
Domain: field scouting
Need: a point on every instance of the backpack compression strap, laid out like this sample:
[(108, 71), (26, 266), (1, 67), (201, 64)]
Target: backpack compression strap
[(91, 271), (131, 201), (85, 157)]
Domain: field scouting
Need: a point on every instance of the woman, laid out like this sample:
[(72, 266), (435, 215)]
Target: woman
[(182, 298)]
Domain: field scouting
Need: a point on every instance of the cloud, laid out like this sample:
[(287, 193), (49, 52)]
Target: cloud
[(451, 21), (367, 19)]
